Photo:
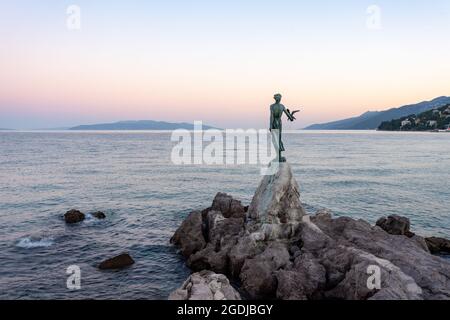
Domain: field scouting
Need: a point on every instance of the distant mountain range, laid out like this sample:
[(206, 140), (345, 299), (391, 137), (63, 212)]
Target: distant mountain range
[(139, 125), (372, 119)]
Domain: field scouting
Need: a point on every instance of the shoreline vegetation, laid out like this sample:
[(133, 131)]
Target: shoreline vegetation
[(437, 119)]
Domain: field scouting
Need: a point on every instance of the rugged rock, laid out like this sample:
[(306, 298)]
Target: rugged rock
[(245, 248), (220, 230), (277, 199), (228, 206), (303, 280), (99, 215), (395, 225), (206, 285), (118, 262), (222, 234), (189, 237), (438, 245), (258, 273), (407, 270), (278, 251), (74, 216)]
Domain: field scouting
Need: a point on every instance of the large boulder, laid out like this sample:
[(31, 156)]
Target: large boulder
[(395, 225), (228, 206), (245, 248), (356, 282), (209, 258), (121, 261), (277, 199), (221, 234), (74, 216), (258, 273), (189, 236), (303, 280), (206, 285), (220, 229)]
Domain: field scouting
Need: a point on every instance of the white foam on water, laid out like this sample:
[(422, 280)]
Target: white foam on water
[(30, 243)]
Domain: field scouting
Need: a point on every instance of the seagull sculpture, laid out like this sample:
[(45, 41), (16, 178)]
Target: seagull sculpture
[(292, 114)]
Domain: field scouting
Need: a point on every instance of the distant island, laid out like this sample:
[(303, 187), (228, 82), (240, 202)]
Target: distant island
[(139, 125), (436, 119), (3, 129), (372, 120)]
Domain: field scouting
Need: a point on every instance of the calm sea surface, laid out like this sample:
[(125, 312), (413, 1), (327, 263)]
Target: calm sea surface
[(129, 176)]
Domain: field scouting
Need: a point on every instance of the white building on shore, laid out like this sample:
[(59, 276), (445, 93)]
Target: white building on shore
[(406, 123), (432, 123)]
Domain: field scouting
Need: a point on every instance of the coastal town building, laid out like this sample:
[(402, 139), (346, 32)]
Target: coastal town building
[(432, 123), (436, 112), (406, 123)]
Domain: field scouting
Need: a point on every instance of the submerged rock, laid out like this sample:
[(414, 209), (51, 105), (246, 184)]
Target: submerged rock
[(74, 216), (121, 261), (99, 215), (206, 285), (278, 251)]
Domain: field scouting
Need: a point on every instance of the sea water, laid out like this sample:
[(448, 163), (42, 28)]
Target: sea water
[(130, 177)]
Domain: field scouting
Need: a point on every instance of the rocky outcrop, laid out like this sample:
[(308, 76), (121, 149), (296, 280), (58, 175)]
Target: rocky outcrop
[(277, 199), (438, 245), (353, 248), (121, 261), (206, 285), (74, 216), (277, 251)]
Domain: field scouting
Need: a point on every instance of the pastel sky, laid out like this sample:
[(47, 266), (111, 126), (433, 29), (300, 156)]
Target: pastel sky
[(217, 61)]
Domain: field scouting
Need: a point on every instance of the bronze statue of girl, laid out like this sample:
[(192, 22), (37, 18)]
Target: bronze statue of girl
[(276, 126)]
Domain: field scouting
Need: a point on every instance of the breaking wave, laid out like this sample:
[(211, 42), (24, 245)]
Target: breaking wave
[(30, 243)]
